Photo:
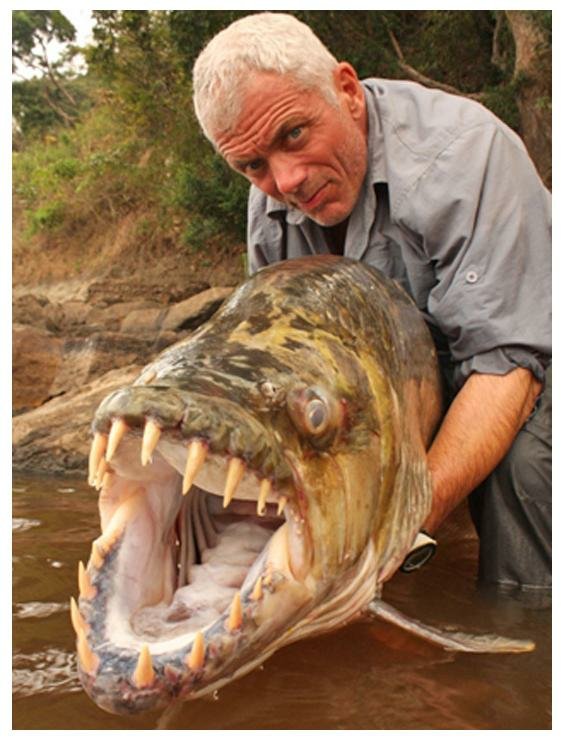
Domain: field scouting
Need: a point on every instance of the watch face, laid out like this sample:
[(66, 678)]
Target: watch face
[(418, 557)]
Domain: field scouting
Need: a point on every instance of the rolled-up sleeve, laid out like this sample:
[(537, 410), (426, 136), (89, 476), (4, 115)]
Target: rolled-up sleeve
[(484, 220)]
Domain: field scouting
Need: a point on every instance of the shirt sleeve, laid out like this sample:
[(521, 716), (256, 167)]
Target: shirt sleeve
[(483, 218)]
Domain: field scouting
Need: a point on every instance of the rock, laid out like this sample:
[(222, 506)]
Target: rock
[(113, 316), (59, 381), (194, 311), (36, 358), (88, 358), (55, 438), (142, 321), (37, 311), (76, 313), (112, 291)]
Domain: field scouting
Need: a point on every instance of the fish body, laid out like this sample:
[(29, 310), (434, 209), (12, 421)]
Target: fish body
[(258, 483)]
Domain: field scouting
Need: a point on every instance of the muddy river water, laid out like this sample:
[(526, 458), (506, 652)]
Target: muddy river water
[(365, 676)]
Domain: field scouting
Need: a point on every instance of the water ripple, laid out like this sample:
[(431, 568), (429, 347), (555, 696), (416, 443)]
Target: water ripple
[(21, 524), (38, 609), (47, 671)]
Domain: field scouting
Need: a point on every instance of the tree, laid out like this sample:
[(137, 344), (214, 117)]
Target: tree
[(32, 32), (532, 37)]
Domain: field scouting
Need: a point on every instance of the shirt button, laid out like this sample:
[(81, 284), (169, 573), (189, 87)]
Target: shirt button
[(471, 276)]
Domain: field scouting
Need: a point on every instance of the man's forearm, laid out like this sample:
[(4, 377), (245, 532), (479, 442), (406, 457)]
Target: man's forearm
[(475, 435)]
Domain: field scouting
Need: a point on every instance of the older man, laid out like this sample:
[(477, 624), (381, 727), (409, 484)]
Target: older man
[(440, 195)]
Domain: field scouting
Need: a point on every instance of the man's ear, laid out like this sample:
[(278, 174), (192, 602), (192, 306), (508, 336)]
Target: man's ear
[(349, 89)]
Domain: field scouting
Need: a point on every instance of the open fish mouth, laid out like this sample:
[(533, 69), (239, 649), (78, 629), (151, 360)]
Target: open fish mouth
[(199, 533)]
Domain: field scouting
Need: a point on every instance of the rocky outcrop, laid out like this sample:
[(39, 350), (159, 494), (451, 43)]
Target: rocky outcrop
[(55, 438), (36, 359), (67, 355), (194, 311)]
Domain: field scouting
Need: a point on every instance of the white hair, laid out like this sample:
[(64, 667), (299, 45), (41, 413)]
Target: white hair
[(262, 42)]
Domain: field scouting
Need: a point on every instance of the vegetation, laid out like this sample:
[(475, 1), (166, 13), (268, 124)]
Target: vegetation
[(90, 149)]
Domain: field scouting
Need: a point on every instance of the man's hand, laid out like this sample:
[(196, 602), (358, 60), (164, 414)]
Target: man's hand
[(475, 435)]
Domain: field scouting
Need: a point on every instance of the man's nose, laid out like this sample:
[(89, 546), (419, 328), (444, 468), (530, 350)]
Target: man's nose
[(287, 174)]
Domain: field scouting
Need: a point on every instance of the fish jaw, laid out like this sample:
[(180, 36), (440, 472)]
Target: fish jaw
[(145, 632)]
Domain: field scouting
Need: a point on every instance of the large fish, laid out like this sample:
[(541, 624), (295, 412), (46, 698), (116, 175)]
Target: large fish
[(259, 482)]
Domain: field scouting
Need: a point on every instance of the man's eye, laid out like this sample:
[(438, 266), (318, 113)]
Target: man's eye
[(295, 133), (253, 166)]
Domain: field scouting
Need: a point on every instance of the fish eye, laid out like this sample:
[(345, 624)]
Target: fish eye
[(316, 416)]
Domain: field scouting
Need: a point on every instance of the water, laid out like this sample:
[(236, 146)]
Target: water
[(365, 676)]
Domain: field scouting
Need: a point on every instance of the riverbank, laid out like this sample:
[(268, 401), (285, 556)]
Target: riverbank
[(78, 336)]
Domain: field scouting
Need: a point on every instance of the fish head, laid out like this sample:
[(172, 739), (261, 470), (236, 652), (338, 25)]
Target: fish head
[(247, 488)]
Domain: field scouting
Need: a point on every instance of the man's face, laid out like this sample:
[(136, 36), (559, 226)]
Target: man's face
[(296, 147)]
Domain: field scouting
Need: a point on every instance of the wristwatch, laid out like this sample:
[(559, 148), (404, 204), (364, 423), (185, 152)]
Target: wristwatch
[(423, 550)]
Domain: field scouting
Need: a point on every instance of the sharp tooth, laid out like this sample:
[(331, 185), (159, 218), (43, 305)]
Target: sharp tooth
[(234, 476), (149, 441), (235, 618), (264, 491), (195, 459), (118, 429), (114, 527), (281, 505), (144, 673), (108, 478), (100, 473), (88, 660), (78, 622), (87, 590), (257, 592), (196, 658), (96, 556), (97, 450)]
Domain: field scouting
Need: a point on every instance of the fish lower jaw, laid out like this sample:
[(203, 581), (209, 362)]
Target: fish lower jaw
[(132, 671), (142, 637)]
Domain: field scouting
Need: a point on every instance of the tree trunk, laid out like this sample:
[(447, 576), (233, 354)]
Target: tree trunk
[(533, 69)]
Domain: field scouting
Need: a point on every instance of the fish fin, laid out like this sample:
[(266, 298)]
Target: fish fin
[(448, 639)]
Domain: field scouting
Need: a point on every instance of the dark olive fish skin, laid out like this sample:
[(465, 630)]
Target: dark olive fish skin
[(318, 382)]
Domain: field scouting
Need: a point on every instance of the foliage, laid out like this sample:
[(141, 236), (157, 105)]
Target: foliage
[(37, 28), (32, 32), (36, 104), (134, 142), (214, 197)]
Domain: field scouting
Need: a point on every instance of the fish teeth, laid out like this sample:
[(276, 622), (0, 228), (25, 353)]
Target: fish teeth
[(150, 438), (196, 657), (88, 659), (234, 476), (144, 674), (235, 618), (116, 433), (281, 505), (99, 444), (107, 480), (102, 469), (79, 624), (97, 556), (257, 591), (195, 460), (87, 590), (264, 491)]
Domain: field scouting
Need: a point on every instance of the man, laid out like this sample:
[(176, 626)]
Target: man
[(440, 195)]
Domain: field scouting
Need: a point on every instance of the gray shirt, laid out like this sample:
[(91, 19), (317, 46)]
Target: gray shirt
[(453, 209)]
